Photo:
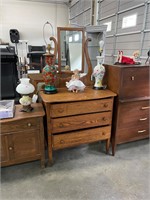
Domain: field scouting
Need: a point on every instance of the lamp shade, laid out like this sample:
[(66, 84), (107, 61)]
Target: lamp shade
[(25, 87), (101, 44)]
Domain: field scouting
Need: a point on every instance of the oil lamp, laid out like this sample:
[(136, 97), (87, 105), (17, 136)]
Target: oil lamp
[(25, 88)]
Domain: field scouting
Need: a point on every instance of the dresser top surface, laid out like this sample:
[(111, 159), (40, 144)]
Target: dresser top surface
[(64, 95), (37, 111), (127, 66)]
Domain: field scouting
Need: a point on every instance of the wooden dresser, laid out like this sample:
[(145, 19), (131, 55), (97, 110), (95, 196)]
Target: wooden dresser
[(131, 107), (22, 137), (77, 118)]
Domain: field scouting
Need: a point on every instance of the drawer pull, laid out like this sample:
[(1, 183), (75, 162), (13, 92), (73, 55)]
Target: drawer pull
[(142, 131), (61, 110), (146, 107), (61, 125), (105, 105), (62, 142), (29, 124), (132, 78), (143, 119), (10, 148), (103, 133), (104, 119)]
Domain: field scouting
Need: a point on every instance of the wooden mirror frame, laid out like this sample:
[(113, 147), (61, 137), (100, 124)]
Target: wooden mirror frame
[(59, 29)]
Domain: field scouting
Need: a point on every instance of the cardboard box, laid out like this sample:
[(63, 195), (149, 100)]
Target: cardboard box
[(7, 108)]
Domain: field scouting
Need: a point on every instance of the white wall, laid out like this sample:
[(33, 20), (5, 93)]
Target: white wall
[(29, 17)]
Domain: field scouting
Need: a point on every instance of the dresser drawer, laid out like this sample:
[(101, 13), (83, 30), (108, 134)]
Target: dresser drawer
[(81, 137), (132, 134), (83, 107), (80, 122), (133, 114), (135, 82), (19, 125)]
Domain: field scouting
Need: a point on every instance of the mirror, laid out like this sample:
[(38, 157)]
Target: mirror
[(70, 49)]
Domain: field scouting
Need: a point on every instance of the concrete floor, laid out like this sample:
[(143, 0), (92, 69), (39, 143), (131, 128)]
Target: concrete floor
[(83, 173)]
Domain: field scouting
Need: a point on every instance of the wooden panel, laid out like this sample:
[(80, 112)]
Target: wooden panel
[(19, 125), (68, 109), (132, 134), (125, 4), (25, 144), (148, 18), (4, 154), (81, 137), (133, 114), (80, 122), (135, 80), (108, 7)]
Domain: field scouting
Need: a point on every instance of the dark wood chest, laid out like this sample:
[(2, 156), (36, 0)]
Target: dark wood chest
[(131, 106)]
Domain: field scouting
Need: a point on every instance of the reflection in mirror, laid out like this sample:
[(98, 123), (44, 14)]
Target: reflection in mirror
[(70, 48)]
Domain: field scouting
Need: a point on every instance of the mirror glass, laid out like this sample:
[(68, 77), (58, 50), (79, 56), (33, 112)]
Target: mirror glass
[(70, 48)]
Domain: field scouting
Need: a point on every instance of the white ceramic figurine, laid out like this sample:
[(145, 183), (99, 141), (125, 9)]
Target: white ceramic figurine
[(75, 85)]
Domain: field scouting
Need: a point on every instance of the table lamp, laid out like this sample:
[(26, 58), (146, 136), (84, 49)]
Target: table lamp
[(25, 88), (99, 69)]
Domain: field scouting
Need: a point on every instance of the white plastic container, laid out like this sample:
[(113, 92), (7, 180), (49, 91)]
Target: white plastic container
[(7, 108)]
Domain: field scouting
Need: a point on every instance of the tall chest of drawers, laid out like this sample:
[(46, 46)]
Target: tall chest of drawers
[(131, 106), (77, 118)]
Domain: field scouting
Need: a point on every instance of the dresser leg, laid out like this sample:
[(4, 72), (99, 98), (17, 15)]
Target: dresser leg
[(50, 151), (42, 163), (113, 148), (107, 145)]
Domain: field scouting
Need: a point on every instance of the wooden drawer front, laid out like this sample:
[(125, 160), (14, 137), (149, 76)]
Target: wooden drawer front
[(135, 82), (81, 137), (133, 114), (80, 122), (132, 134), (20, 125), (68, 109)]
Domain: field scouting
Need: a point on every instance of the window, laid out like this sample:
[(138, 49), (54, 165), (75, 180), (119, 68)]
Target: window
[(129, 21), (76, 37), (70, 39), (109, 24)]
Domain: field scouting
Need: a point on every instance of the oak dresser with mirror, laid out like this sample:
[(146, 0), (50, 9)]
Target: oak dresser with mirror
[(76, 118)]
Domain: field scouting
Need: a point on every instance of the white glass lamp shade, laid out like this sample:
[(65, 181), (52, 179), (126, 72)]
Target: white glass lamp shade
[(25, 87), (101, 44)]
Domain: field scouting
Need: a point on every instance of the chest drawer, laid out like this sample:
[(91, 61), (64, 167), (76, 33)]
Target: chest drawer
[(132, 134), (80, 122), (19, 125), (83, 107), (133, 113), (81, 137), (135, 82)]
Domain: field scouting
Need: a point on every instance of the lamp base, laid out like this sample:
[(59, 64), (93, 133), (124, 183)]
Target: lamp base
[(50, 90), (26, 108), (100, 88)]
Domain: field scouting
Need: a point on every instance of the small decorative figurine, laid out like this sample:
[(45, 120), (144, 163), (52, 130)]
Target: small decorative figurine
[(75, 85), (98, 74), (133, 60), (136, 57), (124, 59)]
